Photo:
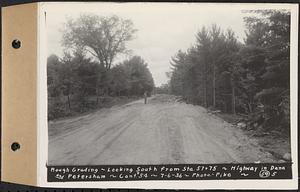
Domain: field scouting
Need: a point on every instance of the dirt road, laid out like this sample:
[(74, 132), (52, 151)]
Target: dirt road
[(161, 132)]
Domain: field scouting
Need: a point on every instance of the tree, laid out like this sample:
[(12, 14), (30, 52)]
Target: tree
[(202, 46), (178, 73), (163, 89), (120, 80), (102, 37), (250, 78), (197, 74), (58, 87), (53, 66), (269, 31), (229, 71), (140, 77), (216, 51)]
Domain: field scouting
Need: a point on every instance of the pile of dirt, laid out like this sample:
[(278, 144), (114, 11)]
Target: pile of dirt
[(271, 142), (277, 145), (166, 98)]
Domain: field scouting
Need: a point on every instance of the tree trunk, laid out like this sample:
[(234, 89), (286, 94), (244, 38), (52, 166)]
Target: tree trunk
[(233, 100), (205, 86), (214, 86), (205, 94), (232, 96), (97, 96), (250, 107), (69, 102)]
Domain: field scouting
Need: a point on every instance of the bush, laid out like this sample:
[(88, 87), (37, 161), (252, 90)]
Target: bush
[(57, 110)]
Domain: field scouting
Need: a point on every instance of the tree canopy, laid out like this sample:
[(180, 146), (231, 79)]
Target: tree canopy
[(78, 81), (249, 78), (103, 37)]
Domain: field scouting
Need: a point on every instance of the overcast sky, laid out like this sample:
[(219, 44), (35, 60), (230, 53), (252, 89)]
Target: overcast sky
[(163, 28)]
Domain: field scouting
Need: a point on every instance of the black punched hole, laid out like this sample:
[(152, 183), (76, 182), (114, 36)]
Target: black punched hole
[(16, 44), (15, 146)]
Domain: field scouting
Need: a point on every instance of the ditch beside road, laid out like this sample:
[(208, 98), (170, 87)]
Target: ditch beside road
[(163, 131)]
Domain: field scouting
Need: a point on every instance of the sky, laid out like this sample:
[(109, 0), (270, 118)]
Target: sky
[(163, 28)]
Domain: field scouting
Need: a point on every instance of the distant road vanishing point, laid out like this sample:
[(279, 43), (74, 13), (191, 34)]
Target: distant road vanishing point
[(163, 131)]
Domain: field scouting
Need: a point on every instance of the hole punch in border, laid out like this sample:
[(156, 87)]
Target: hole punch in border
[(16, 44), (15, 146)]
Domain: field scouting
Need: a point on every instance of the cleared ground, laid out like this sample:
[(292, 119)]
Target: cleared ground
[(163, 131)]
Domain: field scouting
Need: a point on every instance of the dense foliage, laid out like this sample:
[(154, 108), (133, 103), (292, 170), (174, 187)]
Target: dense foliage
[(85, 77), (250, 78)]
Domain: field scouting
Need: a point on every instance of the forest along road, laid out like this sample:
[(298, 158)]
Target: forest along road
[(163, 131)]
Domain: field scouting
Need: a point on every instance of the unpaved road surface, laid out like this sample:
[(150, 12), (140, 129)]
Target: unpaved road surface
[(163, 131)]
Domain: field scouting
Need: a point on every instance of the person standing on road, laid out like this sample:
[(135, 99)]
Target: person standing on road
[(145, 97)]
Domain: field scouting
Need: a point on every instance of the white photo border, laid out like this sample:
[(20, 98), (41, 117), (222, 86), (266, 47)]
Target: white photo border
[(163, 184)]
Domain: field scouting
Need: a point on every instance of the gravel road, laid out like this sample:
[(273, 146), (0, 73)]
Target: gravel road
[(163, 131)]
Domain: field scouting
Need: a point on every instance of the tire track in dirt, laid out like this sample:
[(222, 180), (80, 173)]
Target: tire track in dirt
[(172, 140), (161, 132), (106, 145), (79, 145), (208, 147)]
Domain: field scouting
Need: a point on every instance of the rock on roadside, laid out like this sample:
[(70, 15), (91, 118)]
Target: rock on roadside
[(287, 156)]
